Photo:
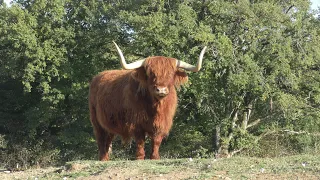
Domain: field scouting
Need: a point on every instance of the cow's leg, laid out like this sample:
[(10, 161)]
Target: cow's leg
[(140, 141), (156, 142), (103, 138), (104, 145)]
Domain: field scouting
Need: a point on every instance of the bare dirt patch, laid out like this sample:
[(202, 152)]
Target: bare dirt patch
[(27, 174), (134, 174)]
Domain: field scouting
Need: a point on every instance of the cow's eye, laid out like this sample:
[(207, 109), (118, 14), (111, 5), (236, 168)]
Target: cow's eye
[(150, 75)]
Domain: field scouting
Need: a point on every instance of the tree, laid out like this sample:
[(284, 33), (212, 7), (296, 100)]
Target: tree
[(260, 76), (52, 50), (252, 81), (262, 51)]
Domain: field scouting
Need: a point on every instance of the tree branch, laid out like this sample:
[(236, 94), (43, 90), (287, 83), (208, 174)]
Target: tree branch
[(235, 151), (265, 134), (254, 123), (299, 132), (289, 9)]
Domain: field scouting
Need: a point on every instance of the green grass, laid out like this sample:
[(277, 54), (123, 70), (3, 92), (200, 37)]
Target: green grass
[(297, 167)]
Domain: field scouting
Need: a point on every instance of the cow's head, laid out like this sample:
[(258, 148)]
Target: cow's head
[(159, 74)]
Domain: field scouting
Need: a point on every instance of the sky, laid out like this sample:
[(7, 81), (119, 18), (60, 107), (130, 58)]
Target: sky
[(7, 1), (315, 3)]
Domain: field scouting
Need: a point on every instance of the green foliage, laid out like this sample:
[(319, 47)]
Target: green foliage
[(186, 142), (260, 77)]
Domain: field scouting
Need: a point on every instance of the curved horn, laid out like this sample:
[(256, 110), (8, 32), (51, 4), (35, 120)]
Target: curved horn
[(189, 67), (133, 65)]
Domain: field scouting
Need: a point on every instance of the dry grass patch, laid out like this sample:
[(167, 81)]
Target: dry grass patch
[(291, 167)]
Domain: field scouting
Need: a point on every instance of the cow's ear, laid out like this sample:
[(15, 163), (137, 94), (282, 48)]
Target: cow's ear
[(180, 78), (140, 75)]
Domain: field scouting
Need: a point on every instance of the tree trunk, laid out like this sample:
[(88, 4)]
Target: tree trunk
[(216, 138), (223, 150)]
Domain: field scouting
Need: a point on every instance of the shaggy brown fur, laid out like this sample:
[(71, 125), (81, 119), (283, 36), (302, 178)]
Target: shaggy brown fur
[(124, 102)]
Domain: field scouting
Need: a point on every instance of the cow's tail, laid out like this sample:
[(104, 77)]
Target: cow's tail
[(93, 116)]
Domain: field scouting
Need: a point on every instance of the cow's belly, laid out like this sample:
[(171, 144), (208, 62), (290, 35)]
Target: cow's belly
[(128, 123)]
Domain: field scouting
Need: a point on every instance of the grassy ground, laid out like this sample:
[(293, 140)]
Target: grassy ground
[(291, 167)]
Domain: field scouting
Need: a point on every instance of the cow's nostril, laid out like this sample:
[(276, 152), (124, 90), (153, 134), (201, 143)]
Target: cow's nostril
[(161, 91)]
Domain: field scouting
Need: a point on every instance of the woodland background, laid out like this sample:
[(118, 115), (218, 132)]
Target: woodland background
[(258, 93)]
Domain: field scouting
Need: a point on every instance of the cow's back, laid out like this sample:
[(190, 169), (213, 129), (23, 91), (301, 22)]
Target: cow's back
[(108, 85)]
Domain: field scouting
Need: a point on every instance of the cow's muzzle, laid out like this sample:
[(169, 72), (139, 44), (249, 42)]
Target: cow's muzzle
[(161, 91)]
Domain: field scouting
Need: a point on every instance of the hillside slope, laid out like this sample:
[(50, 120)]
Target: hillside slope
[(291, 167)]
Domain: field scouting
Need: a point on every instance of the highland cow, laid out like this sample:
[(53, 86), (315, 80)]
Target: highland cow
[(136, 102)]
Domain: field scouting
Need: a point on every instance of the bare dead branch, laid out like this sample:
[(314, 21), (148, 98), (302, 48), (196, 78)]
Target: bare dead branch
[(265, 134), (235, 151), (289, 9), (254, 123), (299, 132)]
